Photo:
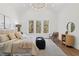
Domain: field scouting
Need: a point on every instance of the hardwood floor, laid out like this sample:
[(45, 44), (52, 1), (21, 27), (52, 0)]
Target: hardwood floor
[(70, 51)]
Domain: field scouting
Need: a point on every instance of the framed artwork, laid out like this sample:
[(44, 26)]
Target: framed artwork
[(46, 26), (31, 26), (38, 26)]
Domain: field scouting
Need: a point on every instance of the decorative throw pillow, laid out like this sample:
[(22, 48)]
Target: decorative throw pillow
[(3, 38), (11, 35), (18, 35)]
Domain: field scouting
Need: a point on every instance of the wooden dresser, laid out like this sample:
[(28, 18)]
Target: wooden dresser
[(68, 40)]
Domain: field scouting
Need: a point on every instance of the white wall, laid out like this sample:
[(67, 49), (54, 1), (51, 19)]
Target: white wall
[(70, 13), (41, 15)]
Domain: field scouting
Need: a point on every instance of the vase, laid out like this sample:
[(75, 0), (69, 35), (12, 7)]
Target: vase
[(40, 43)]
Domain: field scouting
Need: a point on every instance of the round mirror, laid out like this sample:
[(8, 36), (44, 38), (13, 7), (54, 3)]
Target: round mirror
[(70, 27)]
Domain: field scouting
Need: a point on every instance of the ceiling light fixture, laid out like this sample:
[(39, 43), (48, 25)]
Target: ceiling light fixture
[(38, 5)]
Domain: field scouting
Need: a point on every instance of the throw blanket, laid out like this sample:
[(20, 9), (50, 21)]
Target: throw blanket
[(21, 44), (14, 45)]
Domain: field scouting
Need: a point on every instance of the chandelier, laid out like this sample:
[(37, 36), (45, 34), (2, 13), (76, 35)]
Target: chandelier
[(38, 5)]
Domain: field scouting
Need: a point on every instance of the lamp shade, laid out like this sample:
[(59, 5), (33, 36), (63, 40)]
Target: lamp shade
[(18, 25)]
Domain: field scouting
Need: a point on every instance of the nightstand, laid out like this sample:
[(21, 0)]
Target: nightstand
[(68, 40)]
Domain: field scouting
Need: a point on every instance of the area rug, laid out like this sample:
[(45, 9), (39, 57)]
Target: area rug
[(52, 49)]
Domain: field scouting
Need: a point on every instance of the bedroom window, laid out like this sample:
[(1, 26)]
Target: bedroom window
[(5, 22), (1, 22)]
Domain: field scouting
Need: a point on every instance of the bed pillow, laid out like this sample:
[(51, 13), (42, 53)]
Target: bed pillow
[(4, 38), (11, 35)]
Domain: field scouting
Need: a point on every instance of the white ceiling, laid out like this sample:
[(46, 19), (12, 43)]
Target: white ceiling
[(21, 8)]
